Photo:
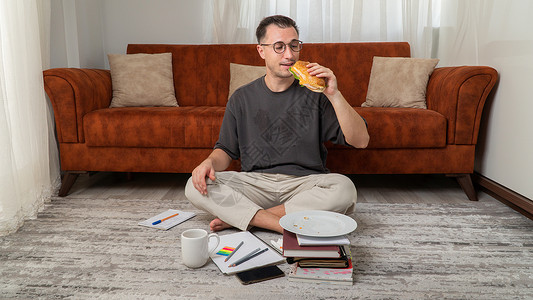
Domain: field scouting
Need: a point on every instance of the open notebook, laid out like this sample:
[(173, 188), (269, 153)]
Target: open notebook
[(251, 242)]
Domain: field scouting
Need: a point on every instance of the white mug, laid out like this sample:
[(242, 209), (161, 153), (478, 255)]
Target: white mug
[(194, 247)]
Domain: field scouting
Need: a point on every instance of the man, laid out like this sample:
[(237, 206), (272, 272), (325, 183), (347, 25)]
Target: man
[(277, 129)]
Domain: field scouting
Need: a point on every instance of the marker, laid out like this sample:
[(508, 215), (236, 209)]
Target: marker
[(234, 250), (159, 221), (248, 257)]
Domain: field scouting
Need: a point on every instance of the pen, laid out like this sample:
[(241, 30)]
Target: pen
[(245, 257), (159, 221), (249, 256), (234, 250)]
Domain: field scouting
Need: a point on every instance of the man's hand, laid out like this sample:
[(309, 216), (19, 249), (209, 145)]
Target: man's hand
[(352, 125), (218, 160), (199, 174), (317, 70)]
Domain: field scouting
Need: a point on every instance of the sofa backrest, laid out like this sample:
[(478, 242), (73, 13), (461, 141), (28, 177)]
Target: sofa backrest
[(202, 72)]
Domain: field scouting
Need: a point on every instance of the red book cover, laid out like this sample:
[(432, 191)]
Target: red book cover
[(292, 249)]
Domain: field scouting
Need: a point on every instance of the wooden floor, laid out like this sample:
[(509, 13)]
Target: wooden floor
[(371, 188)]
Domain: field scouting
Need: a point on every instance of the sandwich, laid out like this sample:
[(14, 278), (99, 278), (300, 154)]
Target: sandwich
[(315, 84)]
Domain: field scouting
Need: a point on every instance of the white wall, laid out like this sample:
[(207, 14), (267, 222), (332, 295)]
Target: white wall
[(151, 22), (498, 34), (100, 27), (505, 148)]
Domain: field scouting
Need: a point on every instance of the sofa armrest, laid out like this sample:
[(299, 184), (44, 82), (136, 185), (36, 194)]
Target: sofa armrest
[(74, 93), (459, 93)]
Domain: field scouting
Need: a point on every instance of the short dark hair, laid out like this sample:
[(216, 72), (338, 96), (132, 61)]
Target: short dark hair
[(278, 20)]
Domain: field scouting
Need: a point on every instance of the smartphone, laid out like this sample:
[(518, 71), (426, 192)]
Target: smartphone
[(260, 274)]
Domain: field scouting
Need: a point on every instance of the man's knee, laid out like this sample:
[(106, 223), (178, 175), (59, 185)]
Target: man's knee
[(191, 192), (345, 194)]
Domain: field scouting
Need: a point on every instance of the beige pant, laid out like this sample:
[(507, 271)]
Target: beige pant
[(235, 197)]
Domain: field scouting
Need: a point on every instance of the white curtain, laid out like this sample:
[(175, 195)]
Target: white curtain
[(232, 21), (472, 31), (29, 167)]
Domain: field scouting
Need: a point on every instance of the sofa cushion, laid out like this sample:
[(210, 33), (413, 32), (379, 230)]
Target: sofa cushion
[(142, 80), (243, 74), (185, 127), (399, 82), (404, 127), (198, 127)]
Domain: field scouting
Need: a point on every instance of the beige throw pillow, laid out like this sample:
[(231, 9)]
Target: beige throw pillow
[(142, 80), (243, 74), (399, 82)]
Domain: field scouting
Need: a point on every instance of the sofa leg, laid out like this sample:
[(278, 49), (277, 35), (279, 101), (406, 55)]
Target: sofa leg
[(465, 181), (68, 181)]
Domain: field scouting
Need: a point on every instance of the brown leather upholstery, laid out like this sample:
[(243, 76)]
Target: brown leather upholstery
[(162, 127), (74, 93), (404, 127), (93, 137), (459, 93), (198, 127), (452, 159)]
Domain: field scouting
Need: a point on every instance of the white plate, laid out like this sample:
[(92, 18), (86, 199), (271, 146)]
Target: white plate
[(318, 223)]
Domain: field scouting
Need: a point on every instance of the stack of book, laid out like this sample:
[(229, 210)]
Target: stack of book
[(318, 259)]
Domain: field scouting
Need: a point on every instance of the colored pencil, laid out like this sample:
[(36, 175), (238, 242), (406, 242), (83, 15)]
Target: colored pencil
[(234, 250), (248, 257)]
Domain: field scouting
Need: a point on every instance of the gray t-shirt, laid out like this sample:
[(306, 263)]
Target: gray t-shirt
[(279, 132)]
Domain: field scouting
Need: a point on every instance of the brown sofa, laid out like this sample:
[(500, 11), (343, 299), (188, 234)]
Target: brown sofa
[(94, 137)]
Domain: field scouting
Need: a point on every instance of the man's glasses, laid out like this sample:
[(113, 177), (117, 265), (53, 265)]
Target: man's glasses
[(279, 47)]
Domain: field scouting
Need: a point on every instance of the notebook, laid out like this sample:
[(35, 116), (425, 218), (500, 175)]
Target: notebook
[(316, 262), (251, 242), (169, 223), (292, 249), (342, 276)]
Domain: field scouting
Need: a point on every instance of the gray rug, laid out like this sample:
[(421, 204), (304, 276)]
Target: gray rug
[(91, 248)]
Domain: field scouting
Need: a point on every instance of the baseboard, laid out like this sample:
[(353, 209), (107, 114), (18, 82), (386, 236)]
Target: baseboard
[(516, 201)]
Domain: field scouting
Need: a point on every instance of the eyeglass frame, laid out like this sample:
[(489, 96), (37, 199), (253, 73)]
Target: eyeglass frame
[(300, 46)]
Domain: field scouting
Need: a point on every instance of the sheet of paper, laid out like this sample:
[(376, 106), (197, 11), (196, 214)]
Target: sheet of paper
[(165, 225), (251, 242), (304, 240), (278, 245)]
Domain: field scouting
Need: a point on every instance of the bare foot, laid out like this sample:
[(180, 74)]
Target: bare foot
[(267, 220), (218, 225)]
